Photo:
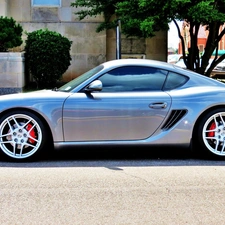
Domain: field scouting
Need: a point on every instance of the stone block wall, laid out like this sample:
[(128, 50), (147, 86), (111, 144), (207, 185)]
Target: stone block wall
[(88, 48), (12, 72)]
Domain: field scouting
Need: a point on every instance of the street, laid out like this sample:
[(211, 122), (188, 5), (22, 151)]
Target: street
[(114, 190)]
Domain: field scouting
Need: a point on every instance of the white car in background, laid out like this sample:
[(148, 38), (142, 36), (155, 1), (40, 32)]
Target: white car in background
[(218, 71), (174, 58)]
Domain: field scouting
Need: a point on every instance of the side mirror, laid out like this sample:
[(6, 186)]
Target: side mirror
[(94, 86)]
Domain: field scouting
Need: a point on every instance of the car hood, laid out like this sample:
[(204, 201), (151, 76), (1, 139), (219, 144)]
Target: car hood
[(30, 99), (34, 94)]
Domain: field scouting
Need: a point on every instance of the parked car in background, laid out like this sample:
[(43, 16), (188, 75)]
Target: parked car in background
[(181, 63), (219, 71), (173, 58)]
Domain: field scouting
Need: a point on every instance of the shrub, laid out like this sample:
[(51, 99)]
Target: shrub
[(10, 34), (47, 56)]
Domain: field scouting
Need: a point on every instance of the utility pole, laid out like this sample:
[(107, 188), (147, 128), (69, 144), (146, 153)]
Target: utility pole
[(118, 40)]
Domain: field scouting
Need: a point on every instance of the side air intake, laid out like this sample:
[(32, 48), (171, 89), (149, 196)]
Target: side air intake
[(175, 117)]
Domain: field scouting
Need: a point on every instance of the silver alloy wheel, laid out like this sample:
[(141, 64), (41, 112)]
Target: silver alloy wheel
[(213, 133), (20, 136)]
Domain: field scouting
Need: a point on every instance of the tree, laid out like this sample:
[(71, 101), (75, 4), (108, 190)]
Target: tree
[(97, 7), (143, 18), (47, 56), (10, 33)]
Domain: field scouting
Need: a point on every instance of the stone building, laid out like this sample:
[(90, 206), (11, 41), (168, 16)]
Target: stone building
[(89, 48)]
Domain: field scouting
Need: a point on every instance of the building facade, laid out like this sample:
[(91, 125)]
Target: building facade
[(89, 48)]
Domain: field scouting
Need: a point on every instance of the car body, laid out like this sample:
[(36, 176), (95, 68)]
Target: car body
[(120, 102)]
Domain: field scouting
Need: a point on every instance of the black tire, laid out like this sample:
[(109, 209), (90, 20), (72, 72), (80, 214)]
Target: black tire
[(210, 136), (22, 136)]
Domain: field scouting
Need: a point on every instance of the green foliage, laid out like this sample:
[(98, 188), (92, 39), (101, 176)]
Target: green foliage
[(98, 7), (143, 18), (47, 56), (133, 15), (10, 34), (138, 19)]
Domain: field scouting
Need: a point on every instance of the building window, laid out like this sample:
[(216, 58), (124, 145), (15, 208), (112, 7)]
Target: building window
[(201, 48), (46, 2)]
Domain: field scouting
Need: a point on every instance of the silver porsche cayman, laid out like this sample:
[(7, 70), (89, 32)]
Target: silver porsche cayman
[(120, 102)]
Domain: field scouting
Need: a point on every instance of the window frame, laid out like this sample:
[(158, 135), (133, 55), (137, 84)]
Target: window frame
[(168, 80), (45, 5)]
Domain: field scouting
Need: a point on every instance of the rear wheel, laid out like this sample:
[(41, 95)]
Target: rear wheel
[(211, 133), (22, 135)]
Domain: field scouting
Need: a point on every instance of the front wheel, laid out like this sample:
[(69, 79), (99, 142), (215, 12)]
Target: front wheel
[(211, 133), (22, 135)]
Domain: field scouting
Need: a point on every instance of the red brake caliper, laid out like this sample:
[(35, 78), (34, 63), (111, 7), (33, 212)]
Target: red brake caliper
[(212, 127), (31, 132)]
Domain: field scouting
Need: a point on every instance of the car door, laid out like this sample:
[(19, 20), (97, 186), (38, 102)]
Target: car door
[(131, 106)]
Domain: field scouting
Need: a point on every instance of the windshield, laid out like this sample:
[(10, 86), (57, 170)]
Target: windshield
[(77, 81)]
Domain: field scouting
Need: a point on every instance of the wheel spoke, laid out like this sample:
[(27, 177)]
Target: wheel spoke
[(222, 120), (14, 119), (215, 121), (212, 130), (222, 150), (10, 126), (6, 135), (25, 124), (21, 150), (30, 130), (30, 145), (217, 144), (34, 139), (7, 142), (211, 138)]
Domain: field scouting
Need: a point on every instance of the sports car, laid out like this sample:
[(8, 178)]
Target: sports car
[(118, 103)]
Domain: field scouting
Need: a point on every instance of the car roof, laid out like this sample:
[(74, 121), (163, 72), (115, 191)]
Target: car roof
[(139, 62)]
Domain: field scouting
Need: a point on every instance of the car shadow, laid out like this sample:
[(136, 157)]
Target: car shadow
[(122, 153), (115, 158)]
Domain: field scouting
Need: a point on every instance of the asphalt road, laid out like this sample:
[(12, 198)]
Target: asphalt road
[(113, 189)]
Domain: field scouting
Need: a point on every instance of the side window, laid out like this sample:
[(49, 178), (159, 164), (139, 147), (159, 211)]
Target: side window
[(174, 80), (46, 2), (133, 78)]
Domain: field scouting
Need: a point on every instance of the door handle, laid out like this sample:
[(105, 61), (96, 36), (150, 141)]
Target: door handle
[(158, 105)]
